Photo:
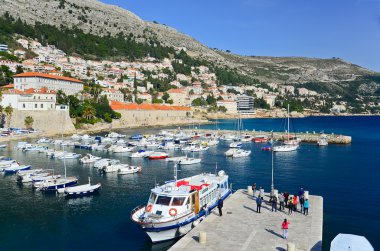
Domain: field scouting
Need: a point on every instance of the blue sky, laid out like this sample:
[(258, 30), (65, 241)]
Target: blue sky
[(349, 29)]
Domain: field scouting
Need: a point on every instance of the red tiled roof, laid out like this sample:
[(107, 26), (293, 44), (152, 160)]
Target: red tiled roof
[(8, 86), (177, 91), (116, 105), (44, 75), (43, 90)]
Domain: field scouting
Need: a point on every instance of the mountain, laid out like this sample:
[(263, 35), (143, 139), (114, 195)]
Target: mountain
[(101, 19)]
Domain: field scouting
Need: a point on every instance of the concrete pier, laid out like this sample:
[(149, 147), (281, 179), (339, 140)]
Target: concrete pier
[(311, 137), (242, 228)]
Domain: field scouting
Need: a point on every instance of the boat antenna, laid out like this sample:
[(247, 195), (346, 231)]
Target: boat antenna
[(63, 144), (216, 168)]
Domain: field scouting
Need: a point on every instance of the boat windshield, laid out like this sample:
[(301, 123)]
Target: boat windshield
[(178, 201), (152, 198), (163, 200)]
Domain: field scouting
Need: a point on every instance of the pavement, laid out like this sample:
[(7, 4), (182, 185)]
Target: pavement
[(242, 228)]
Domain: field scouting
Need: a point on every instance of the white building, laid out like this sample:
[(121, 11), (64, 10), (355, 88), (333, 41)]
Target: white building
[(113, 95), (30, 99), (230, 105), (38, 80), (245, 104)]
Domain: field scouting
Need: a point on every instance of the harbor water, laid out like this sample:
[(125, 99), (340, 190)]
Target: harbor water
[(345, 175)]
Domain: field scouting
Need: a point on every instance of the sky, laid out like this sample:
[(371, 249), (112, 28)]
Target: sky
[(348, 29)]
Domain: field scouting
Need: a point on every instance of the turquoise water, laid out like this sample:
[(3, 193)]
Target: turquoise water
[(345, 175)]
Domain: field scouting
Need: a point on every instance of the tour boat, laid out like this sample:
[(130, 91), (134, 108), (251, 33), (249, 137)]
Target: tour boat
[(14, 168), (174, 208), (189, 161), (241, 153), (82, 190), (129, 170), (88, 158), (158, 155)]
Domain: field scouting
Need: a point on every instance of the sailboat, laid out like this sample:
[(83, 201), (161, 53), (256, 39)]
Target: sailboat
[(58, 184), (237, 142), (82, 190), (286, 147)]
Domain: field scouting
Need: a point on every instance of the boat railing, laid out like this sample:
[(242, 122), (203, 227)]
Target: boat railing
[(137, 209)]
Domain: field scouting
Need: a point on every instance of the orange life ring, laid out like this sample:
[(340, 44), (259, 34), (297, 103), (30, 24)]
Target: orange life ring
[(173, 212), (148, 208)]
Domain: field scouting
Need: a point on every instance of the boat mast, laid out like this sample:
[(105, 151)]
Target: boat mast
[(272, 185), (288, 122)]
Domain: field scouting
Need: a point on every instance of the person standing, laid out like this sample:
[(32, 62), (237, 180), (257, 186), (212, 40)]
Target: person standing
[(286, 198), (285, 228), (302, 201), (274, 203), (306, 207), (261, 193), (220, 206), (295, 202), (281, 200), (259, 200), (290, 206), (254, 189), (301, 192)]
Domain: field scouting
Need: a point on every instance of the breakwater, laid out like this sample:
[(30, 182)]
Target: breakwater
[(310, 137)]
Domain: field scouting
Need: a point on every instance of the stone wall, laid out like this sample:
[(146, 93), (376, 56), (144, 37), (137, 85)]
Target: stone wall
[(52, 121)]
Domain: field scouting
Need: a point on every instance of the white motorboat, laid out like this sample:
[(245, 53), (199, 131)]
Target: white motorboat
[(122, 149), (189, 161), (174, 208), (285, 148), (75, 137), (212, 142), (43, 140), (200, 148), (230, 152), (105, 162), (176, 159), (113, 168), (241, 153), (323, 141), (129, 170), (55, 184), (3, 145), (115, 135), (235, 144), (69, 155), (55, 154), (88, 158), (141, 154)]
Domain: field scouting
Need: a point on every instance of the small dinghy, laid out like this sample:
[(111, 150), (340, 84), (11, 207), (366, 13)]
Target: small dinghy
[(129, 170), (82, 190)]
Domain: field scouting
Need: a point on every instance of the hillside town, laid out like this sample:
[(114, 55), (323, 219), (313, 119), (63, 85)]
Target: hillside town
[(37, 80)]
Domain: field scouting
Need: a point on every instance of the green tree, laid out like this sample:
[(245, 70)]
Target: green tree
[(19, 69), (28, 121), (165, 97), (9, 112)]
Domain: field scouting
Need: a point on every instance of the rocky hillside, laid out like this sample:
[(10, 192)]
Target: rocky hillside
[(98, 18)]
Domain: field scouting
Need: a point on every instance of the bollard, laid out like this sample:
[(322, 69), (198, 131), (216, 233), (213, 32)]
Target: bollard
[(306, 195), (202, 237), (291, 247), (249, 190)]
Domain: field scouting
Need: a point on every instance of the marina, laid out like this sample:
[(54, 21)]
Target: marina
[(120, 194)]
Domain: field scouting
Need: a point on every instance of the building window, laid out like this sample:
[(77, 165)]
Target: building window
[(42, 105), (35, 105), (23, 105)]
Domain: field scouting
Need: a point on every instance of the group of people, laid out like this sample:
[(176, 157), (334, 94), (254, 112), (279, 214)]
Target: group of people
[(283, 200)]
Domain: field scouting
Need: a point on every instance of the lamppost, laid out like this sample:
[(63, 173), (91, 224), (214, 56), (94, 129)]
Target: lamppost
[(272, 184)]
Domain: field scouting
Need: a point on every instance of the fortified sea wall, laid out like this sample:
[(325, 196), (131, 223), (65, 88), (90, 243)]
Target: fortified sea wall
[(52, 121)]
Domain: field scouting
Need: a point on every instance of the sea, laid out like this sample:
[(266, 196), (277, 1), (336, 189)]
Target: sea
[(347, 176)]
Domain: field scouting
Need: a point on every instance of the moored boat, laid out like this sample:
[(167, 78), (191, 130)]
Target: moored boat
[(158, 155), (129, 170), (189, 161), (174, 208), (88, 158), (82, 190)]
